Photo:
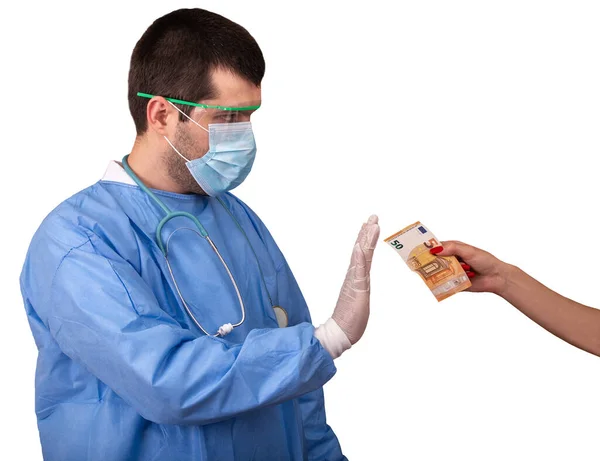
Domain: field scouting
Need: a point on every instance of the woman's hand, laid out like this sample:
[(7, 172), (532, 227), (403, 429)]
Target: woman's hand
[(487, 273)]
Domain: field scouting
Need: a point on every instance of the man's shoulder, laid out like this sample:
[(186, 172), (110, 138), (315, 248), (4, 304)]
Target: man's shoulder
[(70, 226), (70, 223)]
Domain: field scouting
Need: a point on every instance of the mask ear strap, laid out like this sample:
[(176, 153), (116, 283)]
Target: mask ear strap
[(175, 149), (187, 116)]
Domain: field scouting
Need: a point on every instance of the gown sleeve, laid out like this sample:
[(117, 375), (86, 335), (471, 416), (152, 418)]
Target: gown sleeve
[(105, 317)]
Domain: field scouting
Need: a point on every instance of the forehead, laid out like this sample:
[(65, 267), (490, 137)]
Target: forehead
[(233, 90)]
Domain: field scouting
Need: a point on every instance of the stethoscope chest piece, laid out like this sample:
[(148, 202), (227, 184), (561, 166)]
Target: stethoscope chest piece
[(282, 317)]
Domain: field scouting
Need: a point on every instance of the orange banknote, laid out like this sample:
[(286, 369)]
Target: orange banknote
[(443, 274)]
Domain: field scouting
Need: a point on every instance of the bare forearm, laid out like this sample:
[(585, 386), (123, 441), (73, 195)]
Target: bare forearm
[(575, 323)]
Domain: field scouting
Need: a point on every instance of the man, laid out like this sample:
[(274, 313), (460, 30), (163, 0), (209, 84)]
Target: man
[(168, 323)]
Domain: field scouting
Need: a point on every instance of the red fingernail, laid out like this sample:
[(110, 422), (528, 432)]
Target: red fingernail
[(436, 250), (466, 267), (470, 274)]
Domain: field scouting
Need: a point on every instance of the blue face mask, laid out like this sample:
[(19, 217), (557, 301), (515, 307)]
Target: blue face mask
[(230, 156)]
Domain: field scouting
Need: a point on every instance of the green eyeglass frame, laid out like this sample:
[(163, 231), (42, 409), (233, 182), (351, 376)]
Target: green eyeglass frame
[(199, 104)]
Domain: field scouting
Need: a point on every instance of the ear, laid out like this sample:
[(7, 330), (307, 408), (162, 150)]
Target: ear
[(162, 117)]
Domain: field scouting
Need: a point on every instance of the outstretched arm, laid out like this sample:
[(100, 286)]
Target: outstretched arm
[(571, 321)]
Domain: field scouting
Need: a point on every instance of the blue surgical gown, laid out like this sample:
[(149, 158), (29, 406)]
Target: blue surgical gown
[(124, 374)]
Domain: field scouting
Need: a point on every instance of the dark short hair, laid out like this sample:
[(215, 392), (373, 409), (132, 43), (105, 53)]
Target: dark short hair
[(178, 52)]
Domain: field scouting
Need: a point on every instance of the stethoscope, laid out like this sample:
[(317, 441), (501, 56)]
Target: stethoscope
[(280, 313)]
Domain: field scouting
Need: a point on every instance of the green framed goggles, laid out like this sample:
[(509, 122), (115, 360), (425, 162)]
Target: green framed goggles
[(199, 104)]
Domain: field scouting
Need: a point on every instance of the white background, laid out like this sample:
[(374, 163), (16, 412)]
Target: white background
[(478, 118)]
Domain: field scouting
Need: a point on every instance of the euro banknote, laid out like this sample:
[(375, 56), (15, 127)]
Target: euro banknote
[(443, 274)]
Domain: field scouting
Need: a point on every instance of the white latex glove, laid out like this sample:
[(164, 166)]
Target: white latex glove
[(349, 320)]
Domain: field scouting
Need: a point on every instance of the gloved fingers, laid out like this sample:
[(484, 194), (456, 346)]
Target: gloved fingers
[(371, 237), (363, 238), (361, 235), (359, 263), (359, 271), (362, 255)]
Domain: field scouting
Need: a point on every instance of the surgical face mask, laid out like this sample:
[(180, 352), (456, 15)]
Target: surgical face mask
[(230, 156)]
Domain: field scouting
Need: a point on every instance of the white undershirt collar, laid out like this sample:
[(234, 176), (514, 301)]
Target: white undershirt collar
[(115, 173)]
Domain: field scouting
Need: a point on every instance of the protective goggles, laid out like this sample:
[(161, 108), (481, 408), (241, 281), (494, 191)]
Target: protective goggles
[(209, 113)]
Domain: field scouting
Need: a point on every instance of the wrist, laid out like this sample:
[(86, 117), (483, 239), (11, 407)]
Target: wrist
[(332, 338), (507, 275)]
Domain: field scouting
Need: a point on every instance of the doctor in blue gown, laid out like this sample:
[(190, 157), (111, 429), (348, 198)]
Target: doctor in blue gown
[(168, 323)]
